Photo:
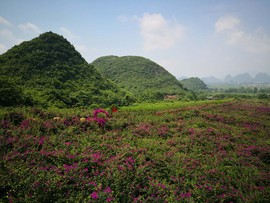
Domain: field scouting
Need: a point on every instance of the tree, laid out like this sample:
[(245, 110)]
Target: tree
[(11, 94)]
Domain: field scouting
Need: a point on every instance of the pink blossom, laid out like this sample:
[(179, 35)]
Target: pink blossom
[(108, 190), (92, 183), (41, 140), (96, 157), (109, 199), (186, 195), (68, 143), (25, 124), (97, 111), (94, 195)]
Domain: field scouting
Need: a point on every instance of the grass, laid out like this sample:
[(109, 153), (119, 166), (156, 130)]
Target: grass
[(205, 151), (166, 105)]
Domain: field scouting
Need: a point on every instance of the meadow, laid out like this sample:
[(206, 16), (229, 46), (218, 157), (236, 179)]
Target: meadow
[(205, 151)]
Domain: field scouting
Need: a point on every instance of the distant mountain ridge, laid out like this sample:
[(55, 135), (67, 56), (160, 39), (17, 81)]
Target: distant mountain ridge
[(50, 72), (139, 75), (244, 78)]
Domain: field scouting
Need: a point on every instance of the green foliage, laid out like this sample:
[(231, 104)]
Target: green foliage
[(193, 83), (142, 77), (50, 70), (262, 95), (11, 94)]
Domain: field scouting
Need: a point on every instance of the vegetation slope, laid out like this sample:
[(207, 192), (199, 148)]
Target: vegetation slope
[(193, 83), (142, 77), (48, 71)]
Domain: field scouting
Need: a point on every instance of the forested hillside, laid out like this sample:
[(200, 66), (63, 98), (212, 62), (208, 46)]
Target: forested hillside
[(48, 71), (193, 83), (141, 76)]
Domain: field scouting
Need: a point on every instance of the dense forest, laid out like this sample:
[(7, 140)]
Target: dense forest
[(48, 71)]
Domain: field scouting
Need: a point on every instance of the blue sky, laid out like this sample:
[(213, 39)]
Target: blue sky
[(187, 37)]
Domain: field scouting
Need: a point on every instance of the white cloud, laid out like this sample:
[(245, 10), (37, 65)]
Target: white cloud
[(159, 33), (252, 42), (3, 48), (68, 34), (226, 23), (30, 28), (8, 39), (5, 21), (8, 36)]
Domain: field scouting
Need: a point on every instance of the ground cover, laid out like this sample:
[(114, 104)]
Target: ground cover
[(216, 151)]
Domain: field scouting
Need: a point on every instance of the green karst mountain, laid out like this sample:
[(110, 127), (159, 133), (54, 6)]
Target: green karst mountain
[(142, 77), (48, 71), (193, 83)]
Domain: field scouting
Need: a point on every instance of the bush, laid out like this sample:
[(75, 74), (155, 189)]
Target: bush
[(11, 94), (263, 96)]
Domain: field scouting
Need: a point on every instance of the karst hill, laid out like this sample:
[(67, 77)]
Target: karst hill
[(142, 77), (48, 71)]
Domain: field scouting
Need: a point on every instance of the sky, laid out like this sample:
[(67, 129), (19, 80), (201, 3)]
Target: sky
[(192, 38)]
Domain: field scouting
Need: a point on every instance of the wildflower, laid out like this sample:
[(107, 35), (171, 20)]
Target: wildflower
[(186, 195), (97, 111), (114, 109), (96, 157), (94, 195), (68, 143), (25, 124), (209, 188), (41, 140), (101, 121), (92, 183), (108, 190), (109, 199)]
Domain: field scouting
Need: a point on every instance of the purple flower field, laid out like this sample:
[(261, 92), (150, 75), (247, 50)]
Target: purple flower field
[(210, 152)]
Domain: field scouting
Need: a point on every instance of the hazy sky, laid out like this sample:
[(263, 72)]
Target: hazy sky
[(187, 37)]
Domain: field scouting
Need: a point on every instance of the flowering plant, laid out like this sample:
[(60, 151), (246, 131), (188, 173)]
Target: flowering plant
[(100, 121)]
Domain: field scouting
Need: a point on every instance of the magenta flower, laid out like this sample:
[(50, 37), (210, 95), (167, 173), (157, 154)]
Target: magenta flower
[(97, 111), (108, 190), (41, 140), (109, 199), (94, 195), (101, 121), (92, 183), (25, 124), (68, 143), (186, 195)]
